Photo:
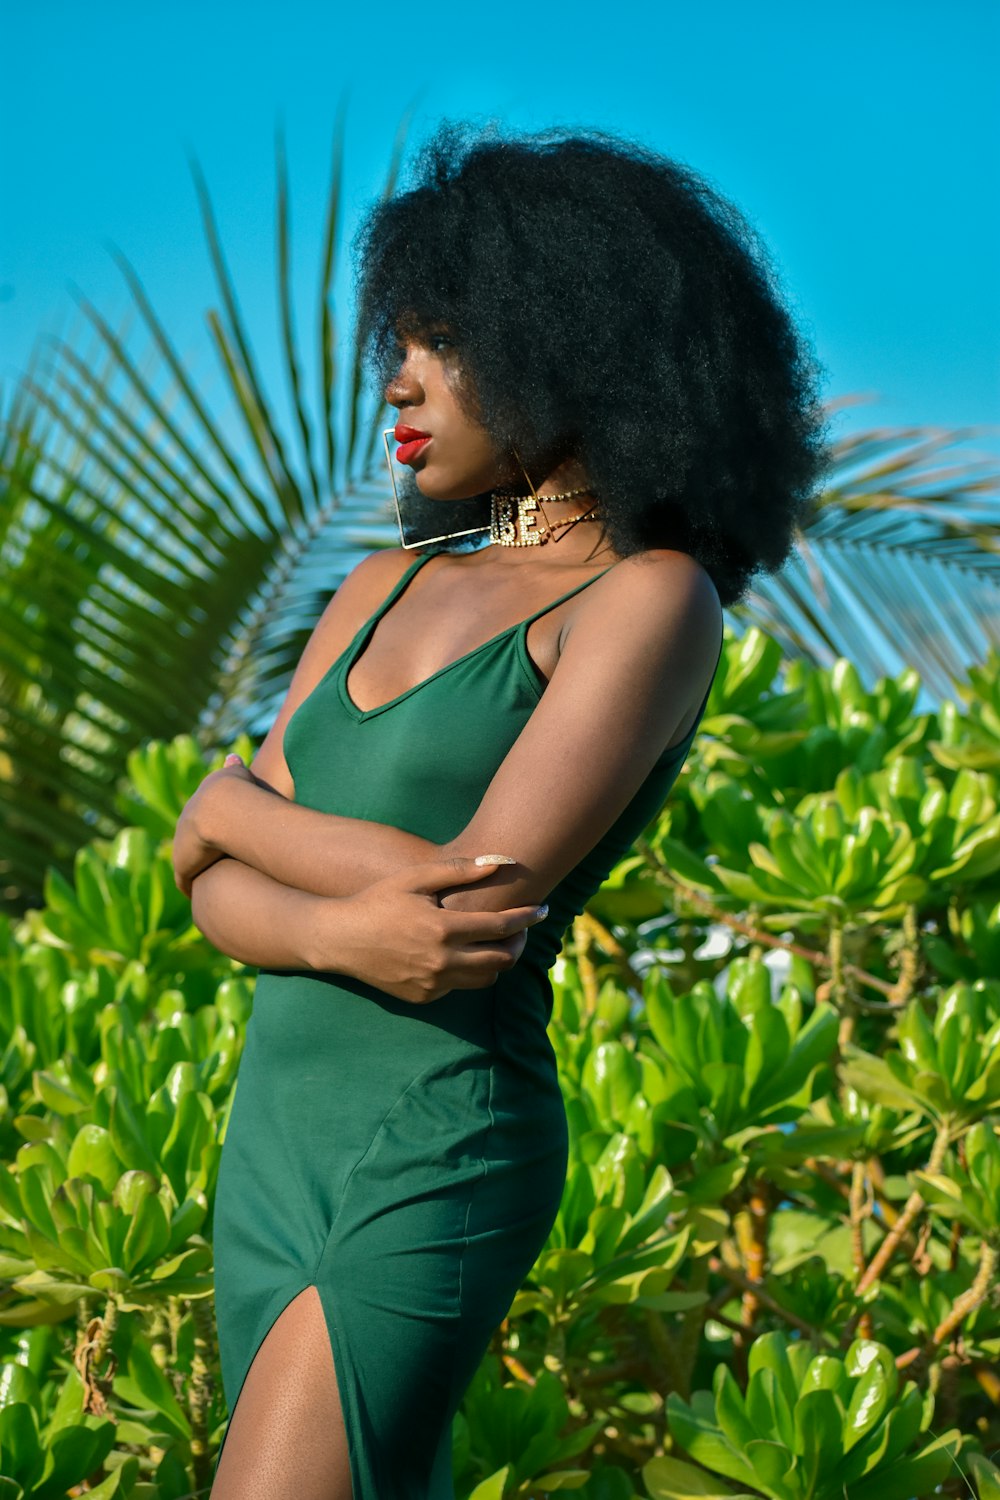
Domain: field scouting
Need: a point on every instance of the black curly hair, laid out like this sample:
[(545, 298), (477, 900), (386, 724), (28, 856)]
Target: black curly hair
[(608, 305)]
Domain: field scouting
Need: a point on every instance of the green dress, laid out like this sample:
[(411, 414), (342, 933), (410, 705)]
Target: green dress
[(407, 1160)]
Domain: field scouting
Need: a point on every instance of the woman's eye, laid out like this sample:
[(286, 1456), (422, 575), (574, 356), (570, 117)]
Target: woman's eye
[(437, 343)]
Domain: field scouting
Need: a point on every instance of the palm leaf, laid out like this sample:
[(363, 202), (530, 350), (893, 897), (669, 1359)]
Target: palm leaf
[(155, 578), (898, 565)]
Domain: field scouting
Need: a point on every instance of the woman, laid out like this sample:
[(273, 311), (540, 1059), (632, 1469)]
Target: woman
[(585, 350)]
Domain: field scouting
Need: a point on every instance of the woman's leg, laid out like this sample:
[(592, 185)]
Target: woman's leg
[(286, 1438)]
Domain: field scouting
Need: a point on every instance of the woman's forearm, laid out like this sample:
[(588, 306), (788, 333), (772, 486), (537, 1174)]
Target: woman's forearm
[(314, 852), (256, 919)]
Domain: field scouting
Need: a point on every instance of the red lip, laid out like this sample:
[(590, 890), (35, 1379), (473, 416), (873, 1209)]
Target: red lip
[(408, 451), (404, 434)]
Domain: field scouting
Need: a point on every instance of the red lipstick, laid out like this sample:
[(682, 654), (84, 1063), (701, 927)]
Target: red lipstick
[(411, 441)]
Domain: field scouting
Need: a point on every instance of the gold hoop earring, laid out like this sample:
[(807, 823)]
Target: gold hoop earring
[(388, 432)]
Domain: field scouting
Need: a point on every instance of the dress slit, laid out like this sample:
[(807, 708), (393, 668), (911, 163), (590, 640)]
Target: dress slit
[(341, 1367)]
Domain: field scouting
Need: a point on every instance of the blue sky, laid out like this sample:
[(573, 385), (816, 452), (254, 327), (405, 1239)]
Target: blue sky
[(861, 138)]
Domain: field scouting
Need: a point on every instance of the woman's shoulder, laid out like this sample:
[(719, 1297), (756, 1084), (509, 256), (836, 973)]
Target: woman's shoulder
[(360, 593), (660, 608), (371, 579), (661, 603), (660, 575), (384, 564)]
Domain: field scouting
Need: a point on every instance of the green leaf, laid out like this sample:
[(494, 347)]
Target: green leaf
[(767, 1051), (825, 1372), (18, 1384), (611, 1076), (910, 1476), (704, 1442), (52, 1288), (492, 1488), (10, 1194), (671, 1479), (57, 1095), (986, 1475), (730, 1411), (561, 1479), (92, 1154), (128, 1136), (768, 1352), (19, 1446), (772, 1462), (148, 1234), (73, 1452), (152, 1384), (871, 1077), (818, 1438), (767, 1408), (121, 1481), (869, 1400)]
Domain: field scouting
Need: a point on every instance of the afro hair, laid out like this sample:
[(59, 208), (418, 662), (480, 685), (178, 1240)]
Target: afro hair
[(608, 305)]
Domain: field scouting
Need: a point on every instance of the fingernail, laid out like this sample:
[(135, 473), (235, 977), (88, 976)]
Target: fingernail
[(234, 757), (543, 911), (494, 859)]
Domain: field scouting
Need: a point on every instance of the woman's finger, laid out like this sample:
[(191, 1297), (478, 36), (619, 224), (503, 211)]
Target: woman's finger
[(489, 956), (491, 926), (457, 869)]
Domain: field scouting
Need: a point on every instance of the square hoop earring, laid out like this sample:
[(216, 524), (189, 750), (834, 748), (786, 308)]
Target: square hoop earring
[(427, 540)]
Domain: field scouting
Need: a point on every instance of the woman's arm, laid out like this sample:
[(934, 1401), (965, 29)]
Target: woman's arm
[(394, 935), (256, 919), (637, 655), (233, 813)]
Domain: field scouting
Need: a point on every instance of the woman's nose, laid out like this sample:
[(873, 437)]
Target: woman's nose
[(404, 387)]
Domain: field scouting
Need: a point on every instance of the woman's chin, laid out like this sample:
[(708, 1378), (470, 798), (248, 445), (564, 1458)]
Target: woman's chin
[(437, 489)]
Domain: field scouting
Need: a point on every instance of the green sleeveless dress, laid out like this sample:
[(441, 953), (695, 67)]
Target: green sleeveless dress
[(407, 1160)]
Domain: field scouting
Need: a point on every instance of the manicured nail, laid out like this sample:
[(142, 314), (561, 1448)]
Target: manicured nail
[(494, 859), (543, 911), (233, 758)]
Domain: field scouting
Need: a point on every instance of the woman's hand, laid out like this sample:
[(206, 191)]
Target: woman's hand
[(192, 853), (395, 936)]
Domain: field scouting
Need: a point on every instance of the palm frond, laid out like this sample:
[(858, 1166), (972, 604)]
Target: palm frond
[(155, 577), (898, 565)]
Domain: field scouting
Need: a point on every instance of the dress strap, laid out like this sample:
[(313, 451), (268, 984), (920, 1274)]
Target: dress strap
[(424, 557), (396, 590), (563, 597)]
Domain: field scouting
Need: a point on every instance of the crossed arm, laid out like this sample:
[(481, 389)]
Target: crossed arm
[(639, 653)]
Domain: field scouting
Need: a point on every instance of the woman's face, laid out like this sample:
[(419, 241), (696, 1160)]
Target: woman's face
[(460, 459)]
